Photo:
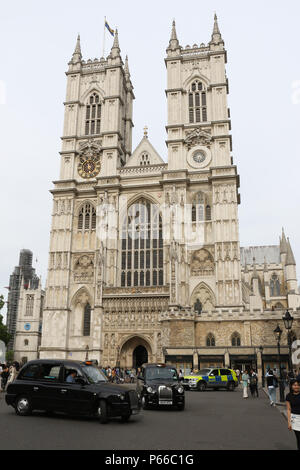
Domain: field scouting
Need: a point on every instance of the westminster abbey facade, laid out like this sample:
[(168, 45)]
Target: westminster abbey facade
[(145, 262)]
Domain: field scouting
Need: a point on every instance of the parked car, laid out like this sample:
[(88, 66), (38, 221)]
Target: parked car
[(158, 384), (211, 378), (72, 387)]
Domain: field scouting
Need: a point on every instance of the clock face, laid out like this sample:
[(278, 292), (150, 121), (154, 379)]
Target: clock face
[(89, 167), (199, 156)]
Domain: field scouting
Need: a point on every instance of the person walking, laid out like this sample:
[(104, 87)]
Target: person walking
[(13, 372), (253, 383), (293, 409), (245, 382), (272, 384), (238, 373)]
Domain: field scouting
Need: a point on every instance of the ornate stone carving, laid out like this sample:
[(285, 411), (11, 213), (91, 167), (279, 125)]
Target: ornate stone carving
[(84, 269), (198, 137), (202, 264), (206, 297)]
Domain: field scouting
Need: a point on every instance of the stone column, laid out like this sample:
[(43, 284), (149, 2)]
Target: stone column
[(227, 359), (259, 365)]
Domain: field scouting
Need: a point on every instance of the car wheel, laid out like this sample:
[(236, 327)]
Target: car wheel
[(144, 404), (125, 418), (102, 412), (23, 406), (231, 387), (180, 407), (201, 387)]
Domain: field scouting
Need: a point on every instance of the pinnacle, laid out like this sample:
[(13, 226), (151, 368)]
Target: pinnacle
[(290, 260), (77, 56), (174, 43)]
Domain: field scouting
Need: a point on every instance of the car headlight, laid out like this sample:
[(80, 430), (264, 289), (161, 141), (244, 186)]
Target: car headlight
[(150, 390), (180, 390), (122, 397)]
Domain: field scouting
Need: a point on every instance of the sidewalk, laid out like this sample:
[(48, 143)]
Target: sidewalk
[(280, 406)]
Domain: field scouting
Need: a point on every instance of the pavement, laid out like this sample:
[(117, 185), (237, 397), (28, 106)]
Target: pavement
[(212, 420)]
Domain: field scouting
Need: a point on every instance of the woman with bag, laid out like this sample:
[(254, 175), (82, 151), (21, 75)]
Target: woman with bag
[(272, 384), (293, 409)]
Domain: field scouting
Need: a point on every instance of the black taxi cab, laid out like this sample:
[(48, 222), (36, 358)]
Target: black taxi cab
[(158, 384), (72, 387)]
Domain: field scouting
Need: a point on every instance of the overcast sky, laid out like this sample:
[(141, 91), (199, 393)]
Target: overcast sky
[(37, 39)]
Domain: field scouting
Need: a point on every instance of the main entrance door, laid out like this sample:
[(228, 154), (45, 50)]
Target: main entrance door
[(135, 352), (140, 356)]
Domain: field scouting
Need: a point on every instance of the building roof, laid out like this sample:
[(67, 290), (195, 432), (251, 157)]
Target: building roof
[(269, 254)]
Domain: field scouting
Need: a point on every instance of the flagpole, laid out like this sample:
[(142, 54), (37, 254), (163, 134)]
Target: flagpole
[(104, 38)]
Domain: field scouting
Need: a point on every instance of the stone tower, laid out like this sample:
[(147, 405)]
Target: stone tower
[(199, 153), (96, 142)]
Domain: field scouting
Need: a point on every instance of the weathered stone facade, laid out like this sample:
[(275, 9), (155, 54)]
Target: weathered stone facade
[(145, 261)]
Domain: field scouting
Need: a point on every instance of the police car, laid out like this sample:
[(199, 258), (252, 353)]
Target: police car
[(211, 378)]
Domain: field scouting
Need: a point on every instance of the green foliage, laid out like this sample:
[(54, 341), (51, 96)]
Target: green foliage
[(4, 335), (9, 356)]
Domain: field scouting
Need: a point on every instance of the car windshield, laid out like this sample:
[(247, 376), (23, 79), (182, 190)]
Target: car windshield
[(202, 372), (94, 375), (161, 373)]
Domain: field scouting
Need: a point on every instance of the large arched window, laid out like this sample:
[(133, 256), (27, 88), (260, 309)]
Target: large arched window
[(197, 102), (87, 218), (210, 341), (201, 210), (87, 320), (235, 340), (142, 246), (93, 115), (275, 286)]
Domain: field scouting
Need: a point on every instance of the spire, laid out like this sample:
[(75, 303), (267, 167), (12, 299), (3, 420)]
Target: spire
[(77, 56), (174, 43), (290, 260), (216, 37), (126, 69), (115, 50), (283, 243), (255, 275)]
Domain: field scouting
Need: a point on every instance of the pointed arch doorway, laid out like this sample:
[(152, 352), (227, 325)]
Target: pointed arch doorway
[(140, 356), (135, 352)]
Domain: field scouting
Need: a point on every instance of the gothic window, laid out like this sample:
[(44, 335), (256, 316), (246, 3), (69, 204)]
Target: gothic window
[(275, 286), (144, 159), (142, 246), (87, 218), (210, 341), (93, 115), (201, 211), (29, 305), (26, 342), (87, 320), (197, 103), (236, 340)]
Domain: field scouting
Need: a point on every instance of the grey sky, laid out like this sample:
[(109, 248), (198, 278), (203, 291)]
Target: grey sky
[(37, 40)]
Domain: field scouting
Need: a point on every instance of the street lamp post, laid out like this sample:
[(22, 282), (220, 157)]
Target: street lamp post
[(261, 349), (277, 334), (288, 323)]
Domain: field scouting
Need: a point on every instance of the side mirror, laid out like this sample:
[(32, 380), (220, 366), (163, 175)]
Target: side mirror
[(80, 381)]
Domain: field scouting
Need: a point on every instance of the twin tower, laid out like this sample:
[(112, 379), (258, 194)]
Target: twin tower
[(145, 260)]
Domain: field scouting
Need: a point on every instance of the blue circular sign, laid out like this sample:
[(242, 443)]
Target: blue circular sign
[(27, 326)]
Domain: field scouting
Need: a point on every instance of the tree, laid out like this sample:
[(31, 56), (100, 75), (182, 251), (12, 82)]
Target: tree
[(4, 335)]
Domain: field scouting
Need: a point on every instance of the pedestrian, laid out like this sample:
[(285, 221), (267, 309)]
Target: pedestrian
[(4, 376), (293, 409), (245, 383), (181, 374), (13, 372), (238, 373), (253, 383), (272, 384)]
